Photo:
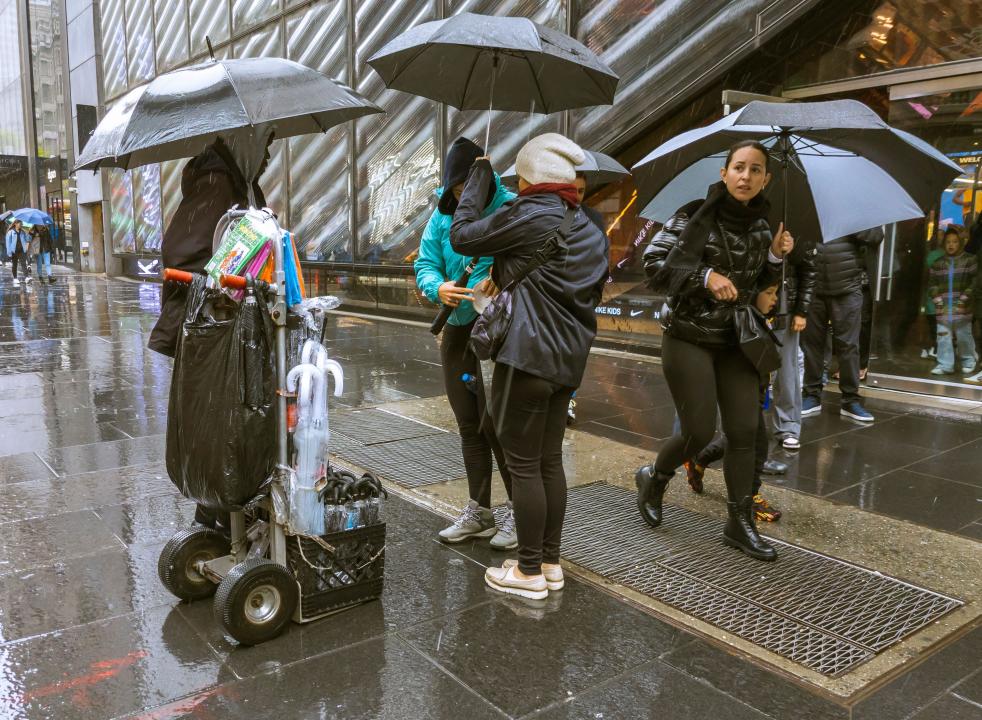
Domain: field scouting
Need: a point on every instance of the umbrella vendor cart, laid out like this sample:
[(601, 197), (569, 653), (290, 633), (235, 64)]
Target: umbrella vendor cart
[(248, 438)]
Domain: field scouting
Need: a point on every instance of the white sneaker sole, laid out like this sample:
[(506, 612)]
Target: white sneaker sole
[(521, 592), (789, 444), (490, 532), (812, 411), (510, 546)]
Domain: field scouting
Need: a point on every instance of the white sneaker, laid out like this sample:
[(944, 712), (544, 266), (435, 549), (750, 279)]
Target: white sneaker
[(16, 282), (790, 442), (938, 370), (473, 521), (967, 368), (976, 378), (504, 580), (555, 580), (28, 279)]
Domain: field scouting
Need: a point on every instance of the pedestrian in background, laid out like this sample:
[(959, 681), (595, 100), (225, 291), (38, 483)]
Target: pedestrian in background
[(800, 278), (952, 281), (18, 245), (541, 360), (437, 269), (838, 305), (974, 246), (709, 258), (41, 248)]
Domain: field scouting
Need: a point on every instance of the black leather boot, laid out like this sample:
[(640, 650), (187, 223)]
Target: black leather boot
[(651, 489), (741, 532)]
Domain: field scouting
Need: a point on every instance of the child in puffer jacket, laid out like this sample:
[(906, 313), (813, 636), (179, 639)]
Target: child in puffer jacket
[(950, 285)]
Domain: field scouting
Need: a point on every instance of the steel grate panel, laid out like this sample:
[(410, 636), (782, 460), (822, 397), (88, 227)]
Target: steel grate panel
[(371, 427), (818, 611)]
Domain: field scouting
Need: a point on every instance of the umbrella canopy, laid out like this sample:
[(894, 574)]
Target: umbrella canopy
[(474, 62), (598, 169), (31, 216), (838, 168), (181, 113)]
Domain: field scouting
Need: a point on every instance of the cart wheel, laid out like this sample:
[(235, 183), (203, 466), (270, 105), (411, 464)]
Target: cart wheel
[(179, 556), (256, 600)]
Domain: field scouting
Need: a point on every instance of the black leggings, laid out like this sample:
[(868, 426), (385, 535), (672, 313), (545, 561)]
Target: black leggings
[(715, 451), (477, 438), (701, 378), (530, 418), (19, 256)]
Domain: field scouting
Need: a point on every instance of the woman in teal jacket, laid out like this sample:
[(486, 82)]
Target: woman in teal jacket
[(437, 269)]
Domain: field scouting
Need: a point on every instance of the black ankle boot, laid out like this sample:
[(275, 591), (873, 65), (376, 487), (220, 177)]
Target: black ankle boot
[(741, 532), (651, 489)]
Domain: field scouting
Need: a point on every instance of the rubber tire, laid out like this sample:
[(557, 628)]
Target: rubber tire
[(235, 589), (180, 552)]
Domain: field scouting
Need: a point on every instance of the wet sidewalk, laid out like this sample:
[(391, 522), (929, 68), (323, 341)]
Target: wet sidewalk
[(87, 631)]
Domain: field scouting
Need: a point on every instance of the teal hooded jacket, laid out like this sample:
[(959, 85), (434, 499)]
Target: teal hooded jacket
[(437, 262)]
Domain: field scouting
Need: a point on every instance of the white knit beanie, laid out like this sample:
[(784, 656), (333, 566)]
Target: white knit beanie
[(549, 158)]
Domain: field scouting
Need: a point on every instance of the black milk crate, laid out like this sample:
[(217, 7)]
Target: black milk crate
[(330, 581)]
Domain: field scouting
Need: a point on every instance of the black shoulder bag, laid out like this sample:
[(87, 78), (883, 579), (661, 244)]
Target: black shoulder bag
[(491, 327), (757, 341)]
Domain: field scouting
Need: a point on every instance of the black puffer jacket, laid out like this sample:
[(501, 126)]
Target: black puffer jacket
[(801, 277), (842, 262), (696, 316), (553, 321)]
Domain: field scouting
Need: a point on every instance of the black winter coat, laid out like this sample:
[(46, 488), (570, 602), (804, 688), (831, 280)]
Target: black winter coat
[(801, 277), (696, 316), (554, 321), (208, 190), (842, 262)]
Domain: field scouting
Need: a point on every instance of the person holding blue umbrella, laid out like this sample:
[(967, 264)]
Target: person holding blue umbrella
[(17, 242)]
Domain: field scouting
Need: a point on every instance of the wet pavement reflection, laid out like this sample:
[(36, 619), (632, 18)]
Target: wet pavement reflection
[(87, 630)]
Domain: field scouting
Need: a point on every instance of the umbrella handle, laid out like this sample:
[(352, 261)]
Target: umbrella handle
[(181, 276)]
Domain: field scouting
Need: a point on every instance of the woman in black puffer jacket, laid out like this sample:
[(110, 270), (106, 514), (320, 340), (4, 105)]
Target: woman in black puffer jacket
[(710, 257)]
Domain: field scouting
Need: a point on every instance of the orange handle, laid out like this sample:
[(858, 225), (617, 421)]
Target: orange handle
[(181, 276), (233, 281)]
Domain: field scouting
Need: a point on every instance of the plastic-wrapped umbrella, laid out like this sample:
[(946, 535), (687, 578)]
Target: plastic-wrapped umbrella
[(243, 101), (598, 169), (473, 62), (310, 438)]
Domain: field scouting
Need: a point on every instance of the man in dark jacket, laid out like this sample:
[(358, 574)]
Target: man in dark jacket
[(799, 286), (210, 185), (839, 303)]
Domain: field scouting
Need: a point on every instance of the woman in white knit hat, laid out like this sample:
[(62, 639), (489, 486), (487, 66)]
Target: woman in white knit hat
[(541, 360)]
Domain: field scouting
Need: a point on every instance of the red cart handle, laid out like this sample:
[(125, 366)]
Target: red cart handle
[(181, 276), (235, 282)]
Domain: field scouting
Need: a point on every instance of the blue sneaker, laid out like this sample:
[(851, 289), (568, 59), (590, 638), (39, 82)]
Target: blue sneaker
[(810, 405), (855, 411)]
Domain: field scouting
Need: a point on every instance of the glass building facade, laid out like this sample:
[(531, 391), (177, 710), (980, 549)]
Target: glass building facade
[(358, 196)]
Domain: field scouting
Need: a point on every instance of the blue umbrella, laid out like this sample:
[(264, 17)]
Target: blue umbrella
[(30, 216), (838, 168)]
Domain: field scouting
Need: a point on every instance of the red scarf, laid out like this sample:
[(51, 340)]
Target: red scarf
[(566, 191)]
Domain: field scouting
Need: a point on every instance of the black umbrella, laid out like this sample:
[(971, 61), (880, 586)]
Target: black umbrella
[(838, 168), (244, 102), (473, 62), (598, 169)]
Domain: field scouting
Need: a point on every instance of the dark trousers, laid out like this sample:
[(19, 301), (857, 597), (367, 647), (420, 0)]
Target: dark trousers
[(701, 378), (844, 313), (470, 408), (866, 330), (530, 419), (19, 256), (715, 451)]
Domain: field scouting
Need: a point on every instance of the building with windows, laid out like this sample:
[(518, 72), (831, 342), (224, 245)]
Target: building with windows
[(358, 197)]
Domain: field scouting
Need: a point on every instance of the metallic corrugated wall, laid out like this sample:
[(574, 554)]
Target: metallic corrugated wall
[(662, 49)]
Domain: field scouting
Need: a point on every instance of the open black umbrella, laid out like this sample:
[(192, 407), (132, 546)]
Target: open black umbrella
[(473, 62), (598, 169), (244, 101), (837, 168)]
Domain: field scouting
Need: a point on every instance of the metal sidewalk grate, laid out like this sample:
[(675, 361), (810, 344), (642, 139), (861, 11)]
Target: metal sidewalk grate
[(823, 613), (371, 427)]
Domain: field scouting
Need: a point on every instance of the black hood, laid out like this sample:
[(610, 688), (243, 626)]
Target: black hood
[(460, 158)]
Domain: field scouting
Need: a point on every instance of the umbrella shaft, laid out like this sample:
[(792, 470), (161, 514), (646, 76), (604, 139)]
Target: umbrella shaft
[(494, 76)]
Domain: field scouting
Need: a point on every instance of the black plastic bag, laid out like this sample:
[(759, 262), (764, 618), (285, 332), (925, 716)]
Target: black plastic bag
[(221, 424)]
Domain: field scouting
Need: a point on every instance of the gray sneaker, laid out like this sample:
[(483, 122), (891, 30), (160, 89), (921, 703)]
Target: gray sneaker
[(506, 537), (473, 521)]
